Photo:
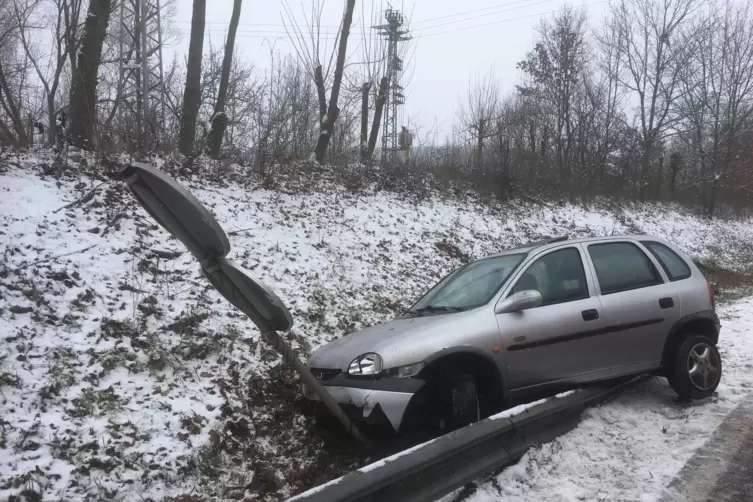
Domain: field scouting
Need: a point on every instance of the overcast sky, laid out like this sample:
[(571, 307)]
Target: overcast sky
[(454, 41)]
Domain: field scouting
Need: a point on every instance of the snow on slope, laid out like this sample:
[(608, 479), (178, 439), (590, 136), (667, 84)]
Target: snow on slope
[(631, 448), (123, 375)]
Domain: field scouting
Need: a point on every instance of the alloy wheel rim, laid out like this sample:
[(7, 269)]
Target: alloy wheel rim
[(703, 366)]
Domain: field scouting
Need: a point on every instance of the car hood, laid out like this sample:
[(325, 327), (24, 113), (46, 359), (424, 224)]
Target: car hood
[(384, 338)]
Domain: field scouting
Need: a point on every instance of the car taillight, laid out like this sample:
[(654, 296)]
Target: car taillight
[(711, 295)]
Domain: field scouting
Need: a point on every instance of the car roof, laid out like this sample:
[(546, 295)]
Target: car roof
[(552, 242)]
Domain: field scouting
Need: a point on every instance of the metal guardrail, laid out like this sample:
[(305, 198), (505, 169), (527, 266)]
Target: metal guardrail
[(438, 467)]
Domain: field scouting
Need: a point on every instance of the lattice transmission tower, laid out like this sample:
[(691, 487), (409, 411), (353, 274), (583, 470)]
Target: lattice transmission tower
[(142, 86), (394, 32)]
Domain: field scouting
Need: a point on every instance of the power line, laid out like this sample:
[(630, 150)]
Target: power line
[(254, 35), (412, 23), (272, 32), (331, 36), (443, 32), (454, 21), (465, 13)]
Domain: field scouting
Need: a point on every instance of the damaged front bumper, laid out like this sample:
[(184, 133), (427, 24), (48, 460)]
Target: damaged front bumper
[(371, 396)]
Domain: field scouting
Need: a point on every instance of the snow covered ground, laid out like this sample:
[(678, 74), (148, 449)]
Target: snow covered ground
[(631, 448), (124, 376)]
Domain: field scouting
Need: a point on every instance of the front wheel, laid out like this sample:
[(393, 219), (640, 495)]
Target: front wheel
[(465, 403), (696, 368)]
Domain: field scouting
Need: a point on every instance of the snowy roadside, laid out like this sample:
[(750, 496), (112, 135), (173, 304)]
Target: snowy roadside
[(123, 375), (633, 446), (510, 412)]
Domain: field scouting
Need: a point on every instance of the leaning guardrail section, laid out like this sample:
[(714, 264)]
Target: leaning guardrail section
[(431, 470)]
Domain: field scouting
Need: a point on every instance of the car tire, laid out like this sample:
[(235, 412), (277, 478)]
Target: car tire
[(465, 403), (696, 368)]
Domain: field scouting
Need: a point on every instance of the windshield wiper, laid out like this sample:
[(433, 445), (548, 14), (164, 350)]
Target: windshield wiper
[(435, 308)]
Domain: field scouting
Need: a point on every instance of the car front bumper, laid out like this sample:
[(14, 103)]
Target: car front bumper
[(390, 395)]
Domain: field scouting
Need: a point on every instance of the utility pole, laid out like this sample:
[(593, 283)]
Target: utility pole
[(142, 86), (394, 32)]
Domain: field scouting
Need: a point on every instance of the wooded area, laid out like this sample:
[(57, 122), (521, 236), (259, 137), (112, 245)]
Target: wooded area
[(653, 103)]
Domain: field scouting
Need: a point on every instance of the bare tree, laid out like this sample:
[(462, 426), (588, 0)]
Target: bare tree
[(192, 92), (273, 113), (652, 48), (555, 67), (310, 56), (328, 124), (84, 89), (718, 94), (219, 118), (17, 135), (478, 115), (12, 130), (371, 70), (65, 28), (380, 100), (609, 64)]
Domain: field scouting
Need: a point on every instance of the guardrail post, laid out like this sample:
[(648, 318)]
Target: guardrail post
[(275, 340)]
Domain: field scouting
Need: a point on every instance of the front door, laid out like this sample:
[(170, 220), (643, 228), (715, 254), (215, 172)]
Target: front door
[(558, 340)]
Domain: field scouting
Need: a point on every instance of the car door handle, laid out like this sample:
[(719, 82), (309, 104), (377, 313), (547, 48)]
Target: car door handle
[(590, 315), (666, 303)]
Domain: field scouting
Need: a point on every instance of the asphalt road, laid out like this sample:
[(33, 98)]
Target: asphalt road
[(722, 470)]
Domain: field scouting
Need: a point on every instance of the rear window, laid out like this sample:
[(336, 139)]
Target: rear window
[(673, 265), (622, 266)]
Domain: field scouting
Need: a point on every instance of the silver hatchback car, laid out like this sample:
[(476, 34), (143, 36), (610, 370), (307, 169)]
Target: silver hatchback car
[(529, 321)]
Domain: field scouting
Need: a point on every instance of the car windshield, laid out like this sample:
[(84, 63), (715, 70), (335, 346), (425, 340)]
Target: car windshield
[(469, 286)]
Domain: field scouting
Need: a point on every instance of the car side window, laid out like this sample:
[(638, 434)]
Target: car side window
[(559, 277), (673, 265), (622, 266)]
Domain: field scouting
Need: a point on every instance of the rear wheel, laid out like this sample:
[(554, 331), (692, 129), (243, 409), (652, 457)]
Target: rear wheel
[(696, 369)]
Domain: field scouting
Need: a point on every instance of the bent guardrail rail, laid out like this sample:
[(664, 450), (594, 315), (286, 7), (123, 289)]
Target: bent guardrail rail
[(186, 218), (431, 470)]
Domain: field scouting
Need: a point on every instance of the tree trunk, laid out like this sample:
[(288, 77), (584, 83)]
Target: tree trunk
[(645, 167), (6, 135), (533, 168), (219, 123), (51, 125), (333, 111), (674, 165), (504, 163), (51, 109), (192, 93), (544, 141), (659, 177), (712, 199), (84, 89), (378, 108), (6, 98), (365, 121), (480, 145), (320, 94)]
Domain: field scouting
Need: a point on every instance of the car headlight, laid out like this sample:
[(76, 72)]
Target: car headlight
[(366, 364), (407, 371)]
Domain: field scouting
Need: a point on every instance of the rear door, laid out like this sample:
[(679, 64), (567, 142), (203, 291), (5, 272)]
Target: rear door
[(550, 342), (639, 304)]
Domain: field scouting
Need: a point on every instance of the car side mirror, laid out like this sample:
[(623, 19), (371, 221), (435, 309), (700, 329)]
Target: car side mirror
[(522, 300)]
